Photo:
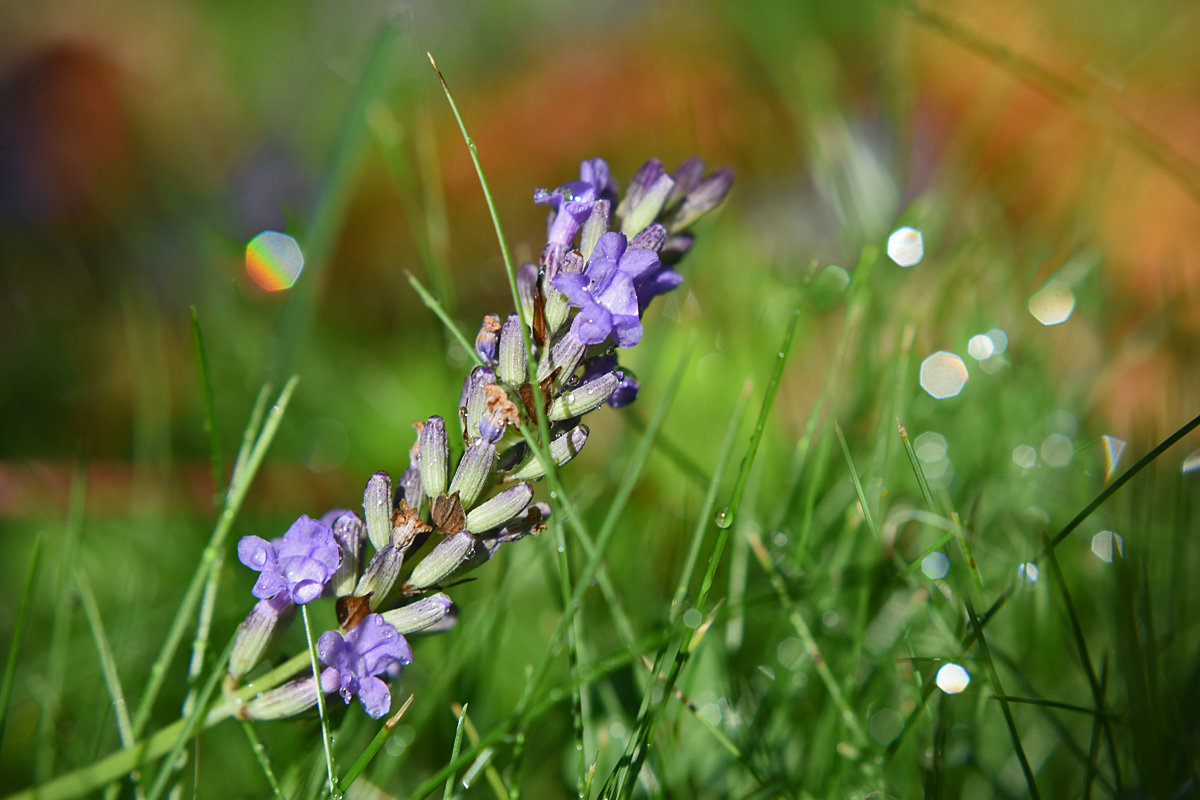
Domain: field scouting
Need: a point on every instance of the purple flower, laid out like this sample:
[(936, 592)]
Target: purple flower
[(300, 563), (573, 201), (606, 293), (369, 649)]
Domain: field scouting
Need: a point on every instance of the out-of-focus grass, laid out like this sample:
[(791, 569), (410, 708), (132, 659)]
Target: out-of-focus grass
[(822, 632)]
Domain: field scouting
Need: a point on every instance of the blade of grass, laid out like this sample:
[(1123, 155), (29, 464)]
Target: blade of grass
[(108, 668), (598, 670), (239, 486), (434, 305), (1085, 658), (326, 741), (494, 780), (726, 515), (455, 749), (175, 737), (1126, 476), (705, 514), (367, 755), (917, 469), (260, 756), (854, 479), (998, 691), (607, 530), (18, 632)]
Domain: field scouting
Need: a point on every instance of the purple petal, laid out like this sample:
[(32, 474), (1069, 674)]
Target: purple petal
[(255, 552), (619, 296), (592, 324), (574, 286), (627, 330), (638, 263), (268, 585), (306, 591), (375, 698)]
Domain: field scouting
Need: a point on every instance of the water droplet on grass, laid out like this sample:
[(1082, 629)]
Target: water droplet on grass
[(723, 519)]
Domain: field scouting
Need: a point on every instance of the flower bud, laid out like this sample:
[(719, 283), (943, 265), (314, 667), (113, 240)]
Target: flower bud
[(254, 636), (348, 533), (377, 508), (419, 615), (583, 398), (652, 237), (562, 450), (473, 470), (512, 365), (292, 698), (557, 305), (527, 278), (500, 508), (380, 575), (473, 403), (435, 453), (699, 201), (486, 339), (564, 357), (595, 227), (446, 557)]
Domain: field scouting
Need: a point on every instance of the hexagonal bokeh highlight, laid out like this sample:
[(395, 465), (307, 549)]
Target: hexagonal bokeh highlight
[(906, 247), (943, 375), (1052, 304)]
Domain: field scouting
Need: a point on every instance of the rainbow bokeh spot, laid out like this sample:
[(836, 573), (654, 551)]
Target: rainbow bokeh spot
[(274, 261)]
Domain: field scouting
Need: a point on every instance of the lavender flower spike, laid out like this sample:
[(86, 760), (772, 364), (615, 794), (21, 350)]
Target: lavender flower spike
[(367, 650), (606, 292), (300, 563)]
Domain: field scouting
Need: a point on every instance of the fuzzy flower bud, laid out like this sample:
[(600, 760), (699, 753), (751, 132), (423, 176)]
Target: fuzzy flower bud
[(499, 508), (586, 397), (473, 470), (377, 508), (443, 560), (435, 452), (419, 615), (512, 365)]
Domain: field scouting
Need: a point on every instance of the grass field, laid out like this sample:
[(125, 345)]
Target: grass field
[(769, 576)]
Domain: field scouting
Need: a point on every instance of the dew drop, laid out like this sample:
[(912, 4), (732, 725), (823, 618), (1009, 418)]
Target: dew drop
[(723, 519)]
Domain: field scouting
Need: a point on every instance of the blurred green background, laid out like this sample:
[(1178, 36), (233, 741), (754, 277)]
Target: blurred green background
[(142, 146)]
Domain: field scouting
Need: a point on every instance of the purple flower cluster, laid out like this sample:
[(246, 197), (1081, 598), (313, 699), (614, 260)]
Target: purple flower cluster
[(607, 256)]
